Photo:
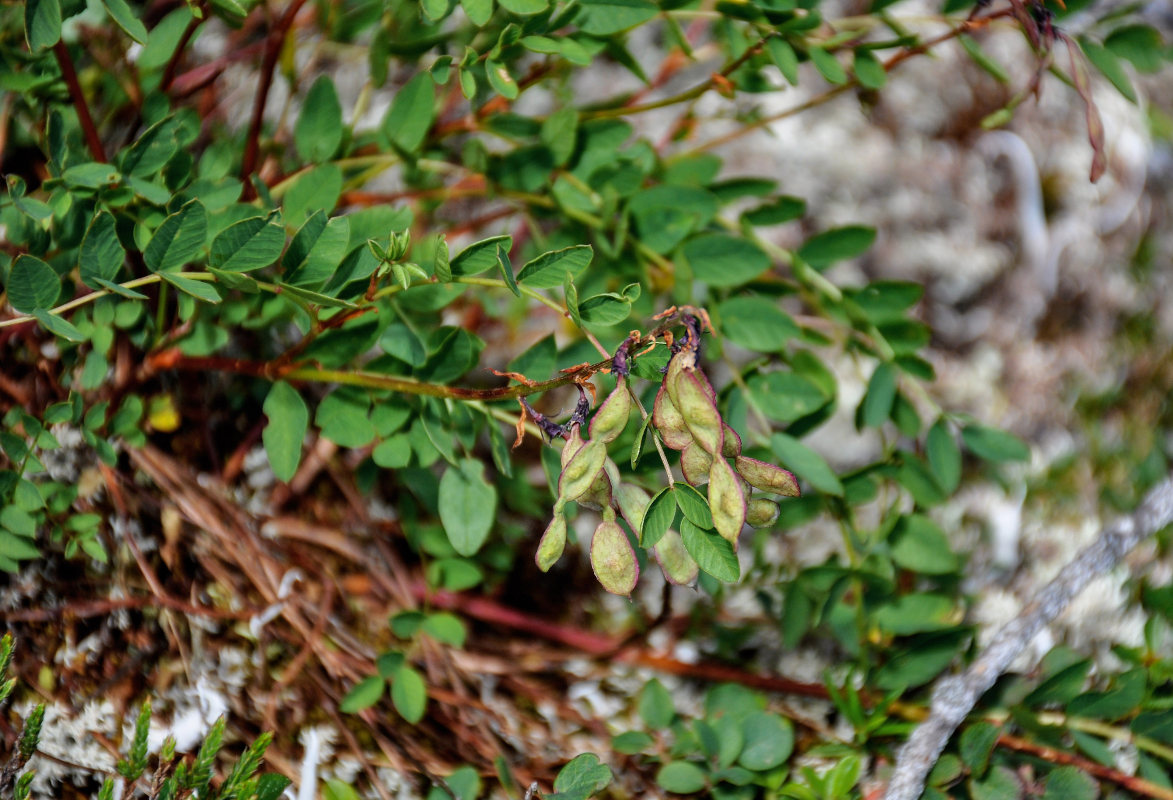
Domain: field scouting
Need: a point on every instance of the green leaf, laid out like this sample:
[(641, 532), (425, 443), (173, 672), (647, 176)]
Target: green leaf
[(445, 627), (976, 744), (480, 256), (681, 777), (632, 742), (122, 14), (982, 60), (91, 175), (917, 613), (411, 113), (609, 308), (539, 361), (201, 290), (756, 323), (655, 705), (919, 545), (1140, 44), (478, 11), (877, 402), (693, 505), (364, 695), (42, 23), (58, 326), (18, 521), (784, 58), (944, 456), (101, 254), (712, 553), (316, 250), (151, 150), (179, 239), (769, 741), (828, 66), (468, 506), (1070, 783), (524, 7), (1108, 64), (409, 694), (786, 396), (250, 244), (607, 17), (658, 517), (343, 416), (992, 444), (868, 70), (500, 79), (547, 270), (719, 259), (319, 126), (288, 420), (582, 776), (506, 268), (32, 284), (805, 463), (837, 244), (434, 10), (1062, 687)]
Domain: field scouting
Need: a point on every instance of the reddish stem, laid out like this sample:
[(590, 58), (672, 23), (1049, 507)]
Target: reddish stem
[(65, 62)]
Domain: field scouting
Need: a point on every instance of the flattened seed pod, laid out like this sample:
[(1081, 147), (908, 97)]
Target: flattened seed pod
[(767, 477), (573, 444), (633, 502), (675, 562), (761, 513), (695, 463), (732, 445), (553, 542), (668, 421), (726, 501), (581, 471), (699, 411), (613, 559), (611, 418)]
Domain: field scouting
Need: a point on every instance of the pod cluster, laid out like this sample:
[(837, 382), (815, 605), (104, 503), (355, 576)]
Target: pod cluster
[(686, 419)]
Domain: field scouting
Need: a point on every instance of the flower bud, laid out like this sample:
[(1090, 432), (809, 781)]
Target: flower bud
[(553, 542), (767, 477), (611, 418), (726, 501), (761, 513), (613, 559)]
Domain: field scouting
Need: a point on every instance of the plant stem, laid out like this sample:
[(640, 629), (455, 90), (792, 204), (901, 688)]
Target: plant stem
[(65, 62)]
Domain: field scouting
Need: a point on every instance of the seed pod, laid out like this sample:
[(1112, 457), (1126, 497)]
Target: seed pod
[(678, 566), (611, 417), (732, 446), (613, 559), (666, 417), (680, 363), (581, 471), (761, 513), (573, 444), (726, 501), (700, 412), (599, 495), (633, 502), (767, 477), (695, 463), (553, 542)]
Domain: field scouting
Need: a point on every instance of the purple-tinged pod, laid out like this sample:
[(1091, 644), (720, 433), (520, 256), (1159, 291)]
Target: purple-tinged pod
[(553, 542), (611, 417), (633, 503), (760, 512), (675, 562), (599, 495), (613, 559), (700, 414), (695, 463), (767, 477), (581, 471), (726, 501), (669, 423), (732, 446), (680, 363), (573, 444)]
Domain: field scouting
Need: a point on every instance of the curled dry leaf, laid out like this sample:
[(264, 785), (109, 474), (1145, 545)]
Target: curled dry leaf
[(553, 542), (613, 559), (726, 501), (675, 562), (767, 477)]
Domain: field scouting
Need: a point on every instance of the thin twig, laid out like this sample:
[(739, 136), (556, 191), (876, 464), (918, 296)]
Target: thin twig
[(1129, 782), (955, 697), (65, 62)]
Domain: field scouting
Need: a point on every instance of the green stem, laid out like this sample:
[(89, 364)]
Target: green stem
[(100, 293)]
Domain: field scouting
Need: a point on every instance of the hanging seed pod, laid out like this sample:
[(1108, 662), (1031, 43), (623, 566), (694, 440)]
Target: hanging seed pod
[(553, 542), (668, 421), (695, 463), (732, 446), (611, 417), (581, 471), (761, 513), (599, 495), (573, 444), (767, 477), (726, 501), (700, 412), (633, 502), (612, 557), (675, 562)]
